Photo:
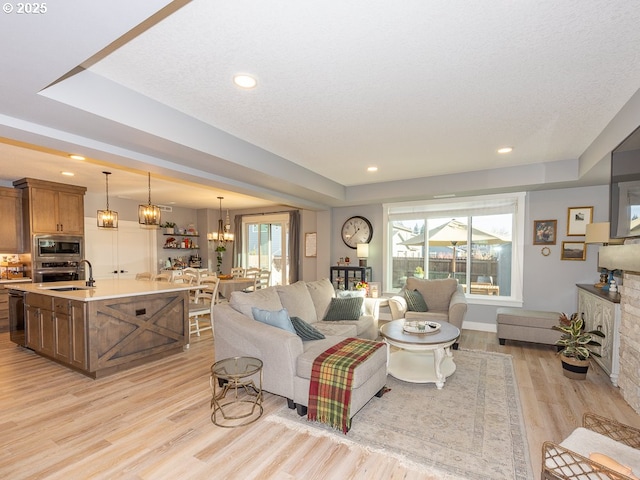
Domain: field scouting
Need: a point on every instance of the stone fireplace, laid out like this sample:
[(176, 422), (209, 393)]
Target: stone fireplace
[(627, 259), (629, 380)]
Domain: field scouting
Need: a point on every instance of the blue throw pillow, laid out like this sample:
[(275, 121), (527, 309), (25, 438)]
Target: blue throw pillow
[(344, 309), (305, 330), (278, 318), (415, 301)]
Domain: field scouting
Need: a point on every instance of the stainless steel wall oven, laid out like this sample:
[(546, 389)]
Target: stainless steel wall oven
[(56, 258)]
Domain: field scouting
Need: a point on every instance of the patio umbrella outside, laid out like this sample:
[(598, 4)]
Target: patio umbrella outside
[(453, 233)]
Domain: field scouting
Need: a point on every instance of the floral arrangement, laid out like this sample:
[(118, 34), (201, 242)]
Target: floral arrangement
[(419, 271), (361, 286)]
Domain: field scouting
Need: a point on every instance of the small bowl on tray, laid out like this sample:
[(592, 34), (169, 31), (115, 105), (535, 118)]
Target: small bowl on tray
[(420, 327)]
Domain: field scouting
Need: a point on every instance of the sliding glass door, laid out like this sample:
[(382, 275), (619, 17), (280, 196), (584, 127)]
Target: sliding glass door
[(265, 245)]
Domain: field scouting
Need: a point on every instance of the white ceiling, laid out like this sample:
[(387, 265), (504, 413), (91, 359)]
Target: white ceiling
[(427, 91)]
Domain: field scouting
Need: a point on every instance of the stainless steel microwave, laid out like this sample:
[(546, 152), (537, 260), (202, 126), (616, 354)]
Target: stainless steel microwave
[(58, 247)]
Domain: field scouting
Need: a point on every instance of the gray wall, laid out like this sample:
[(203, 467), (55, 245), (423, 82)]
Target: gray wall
[(549, 283)]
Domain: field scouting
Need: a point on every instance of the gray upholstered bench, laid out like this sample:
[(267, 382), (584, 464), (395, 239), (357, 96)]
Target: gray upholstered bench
[(527, 326)]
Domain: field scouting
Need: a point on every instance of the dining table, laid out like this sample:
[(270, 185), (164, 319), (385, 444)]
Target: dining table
[(229, 285)]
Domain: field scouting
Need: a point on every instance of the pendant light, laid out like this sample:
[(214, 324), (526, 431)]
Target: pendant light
[(224, 228), (107, 218), (149, 214)]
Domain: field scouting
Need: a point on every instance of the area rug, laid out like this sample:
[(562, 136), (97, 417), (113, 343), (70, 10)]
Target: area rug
[(473, 428)]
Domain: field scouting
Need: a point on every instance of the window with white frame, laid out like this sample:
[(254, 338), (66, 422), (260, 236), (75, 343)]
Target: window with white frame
[(476, 240)]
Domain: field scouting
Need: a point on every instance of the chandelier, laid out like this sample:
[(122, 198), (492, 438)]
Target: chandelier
[(149, 214), (107, 218), (224, 233)]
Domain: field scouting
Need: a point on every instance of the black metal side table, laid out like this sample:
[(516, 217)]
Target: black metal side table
[(245, 406)]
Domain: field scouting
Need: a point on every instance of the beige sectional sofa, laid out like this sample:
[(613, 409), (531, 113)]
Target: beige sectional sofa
[(287, 360)]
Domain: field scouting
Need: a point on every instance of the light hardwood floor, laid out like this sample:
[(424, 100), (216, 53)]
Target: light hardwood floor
[(153, 422)]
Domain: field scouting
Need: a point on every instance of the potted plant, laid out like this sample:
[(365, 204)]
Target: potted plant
[(418, 272), (169, 228), (575, 346), (220, 249)]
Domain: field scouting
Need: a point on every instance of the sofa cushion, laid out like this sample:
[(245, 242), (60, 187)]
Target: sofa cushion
[(353, 293), (361, 374), (415, 301), (437, 293), (339, 328), (265, 299), (297, 300), (306, 331), (321, 292), (344, 309), (277, 318)]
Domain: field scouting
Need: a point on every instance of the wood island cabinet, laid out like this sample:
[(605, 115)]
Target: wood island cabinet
[(50, 207), (600, 310), (11, 215), (56, 328)]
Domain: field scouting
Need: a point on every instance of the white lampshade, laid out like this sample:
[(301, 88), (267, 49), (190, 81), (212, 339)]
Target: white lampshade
[(362, 252), (599, 233)]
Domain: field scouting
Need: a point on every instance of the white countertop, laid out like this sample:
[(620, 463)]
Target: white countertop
[(103, 290), (15, 280)]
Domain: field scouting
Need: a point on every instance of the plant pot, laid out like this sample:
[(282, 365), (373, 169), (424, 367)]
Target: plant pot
[(169, 230), (574, 368)]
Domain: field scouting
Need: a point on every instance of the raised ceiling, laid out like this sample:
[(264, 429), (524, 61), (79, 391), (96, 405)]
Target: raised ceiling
[(426, 91)]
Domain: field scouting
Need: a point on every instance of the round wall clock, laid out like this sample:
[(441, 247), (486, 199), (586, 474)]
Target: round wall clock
[(356, 230)]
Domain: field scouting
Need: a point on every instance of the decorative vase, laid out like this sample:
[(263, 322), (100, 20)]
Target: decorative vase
[(574, 368)]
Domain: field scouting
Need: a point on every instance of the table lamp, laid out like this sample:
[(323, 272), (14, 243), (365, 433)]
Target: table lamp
[(599, 233), (362, 252)]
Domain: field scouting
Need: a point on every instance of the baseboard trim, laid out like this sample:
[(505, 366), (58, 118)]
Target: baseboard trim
[(480, 326)]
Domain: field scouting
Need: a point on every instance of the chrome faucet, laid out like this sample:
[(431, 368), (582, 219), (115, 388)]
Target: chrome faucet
[(91, 282)]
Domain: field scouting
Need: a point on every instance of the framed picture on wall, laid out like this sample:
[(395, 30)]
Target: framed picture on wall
[(573, 251), (578, 219), (310, 245), (544, 232)]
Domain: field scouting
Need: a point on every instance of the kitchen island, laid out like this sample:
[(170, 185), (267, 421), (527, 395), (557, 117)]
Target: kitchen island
[(114, 325)]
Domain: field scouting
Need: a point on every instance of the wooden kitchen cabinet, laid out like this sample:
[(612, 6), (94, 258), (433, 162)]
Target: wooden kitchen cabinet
[(70, 340), (55, 327), (50, 207), (600, 310), (11, 215)]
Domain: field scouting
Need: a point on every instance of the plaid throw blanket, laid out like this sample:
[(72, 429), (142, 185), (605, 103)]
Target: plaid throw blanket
[(331, 379)]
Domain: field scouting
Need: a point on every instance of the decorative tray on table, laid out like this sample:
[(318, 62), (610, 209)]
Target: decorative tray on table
[(420, 327), (225, 277)]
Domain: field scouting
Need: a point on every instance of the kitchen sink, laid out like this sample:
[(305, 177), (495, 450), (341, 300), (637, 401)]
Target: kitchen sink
[(65, 288), (68, 289)]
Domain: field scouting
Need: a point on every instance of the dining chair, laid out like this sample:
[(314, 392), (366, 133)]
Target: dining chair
[(262, 279), (200, 307), (237, 272), (162, 277), (251, 273)]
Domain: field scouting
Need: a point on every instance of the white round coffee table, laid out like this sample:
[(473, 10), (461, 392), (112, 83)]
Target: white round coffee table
[(421, 358)]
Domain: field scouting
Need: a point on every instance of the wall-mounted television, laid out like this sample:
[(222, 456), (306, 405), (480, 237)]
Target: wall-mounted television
[(624, 202)]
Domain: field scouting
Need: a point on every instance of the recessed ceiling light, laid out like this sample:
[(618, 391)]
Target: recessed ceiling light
[(68, 174), (245, 81), (75, 156), (372, 169), (505, 150)]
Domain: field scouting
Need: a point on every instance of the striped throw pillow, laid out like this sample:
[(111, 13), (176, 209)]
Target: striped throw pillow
[(415, 301), (344, 309), (305, 330)]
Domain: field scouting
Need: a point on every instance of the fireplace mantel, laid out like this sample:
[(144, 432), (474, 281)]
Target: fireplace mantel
[(620, 257)]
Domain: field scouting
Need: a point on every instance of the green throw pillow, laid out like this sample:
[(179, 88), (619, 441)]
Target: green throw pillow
[(279, 318), (305, 330), (415, 301), (344, 309)]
